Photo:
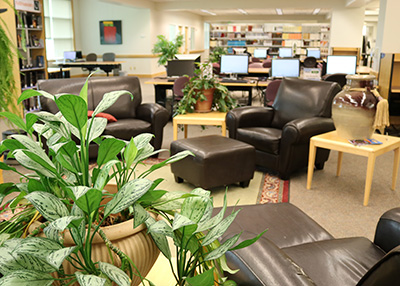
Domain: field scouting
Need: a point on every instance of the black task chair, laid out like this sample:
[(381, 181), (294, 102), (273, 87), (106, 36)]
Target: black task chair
[(340, 78), (108, 57), (310, 62), (177, 92), (92, 57), (281, 134)]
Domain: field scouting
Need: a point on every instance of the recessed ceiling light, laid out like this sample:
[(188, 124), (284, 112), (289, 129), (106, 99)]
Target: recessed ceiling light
[(316, 11), (242, 11), (208, 12), (279, 11)]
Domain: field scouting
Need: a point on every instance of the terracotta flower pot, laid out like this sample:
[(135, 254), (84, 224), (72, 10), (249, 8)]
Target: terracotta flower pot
[(205, 106)]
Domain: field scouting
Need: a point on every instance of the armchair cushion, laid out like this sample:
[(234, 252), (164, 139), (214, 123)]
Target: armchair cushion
[(127, 128), (262, 138)]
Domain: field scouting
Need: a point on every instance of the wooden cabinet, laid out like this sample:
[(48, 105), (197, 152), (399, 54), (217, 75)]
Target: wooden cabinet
[(272, 36), (389, 81), (32, 47)]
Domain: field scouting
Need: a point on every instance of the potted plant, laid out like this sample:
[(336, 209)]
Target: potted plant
[(73, 204), (204, 93), (167, 49), (216, 53)]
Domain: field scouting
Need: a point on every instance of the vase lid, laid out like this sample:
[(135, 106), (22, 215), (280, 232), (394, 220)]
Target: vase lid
[(360, 77)]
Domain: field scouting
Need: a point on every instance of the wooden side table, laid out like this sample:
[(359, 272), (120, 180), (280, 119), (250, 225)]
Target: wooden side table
[(332, 141), (210, 118)]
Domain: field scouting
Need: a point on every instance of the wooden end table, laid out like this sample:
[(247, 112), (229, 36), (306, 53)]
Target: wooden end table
[(210, 118), (332, 141)]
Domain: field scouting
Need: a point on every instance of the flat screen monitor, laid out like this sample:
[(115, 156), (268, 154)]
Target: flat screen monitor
[(69, 56), (78, 54), (177, 68), (341, 64), (234, 64), (239, 51), (285, 68), (285, 53), (194, 57), (260, 53), (316, 53)]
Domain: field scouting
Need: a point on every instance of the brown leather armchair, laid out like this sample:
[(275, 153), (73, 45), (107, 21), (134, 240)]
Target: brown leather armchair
[(297, 251), (133, 116), (281, 134)]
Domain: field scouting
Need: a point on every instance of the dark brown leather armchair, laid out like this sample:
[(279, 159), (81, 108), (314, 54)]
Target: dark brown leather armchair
[(133, 116), (281, 134), (297, 251)]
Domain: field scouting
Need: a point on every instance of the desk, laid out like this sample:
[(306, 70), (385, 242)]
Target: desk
[(56, 73), (259, 72), (208, 118), (332, 141), (90, 65), (161, 85)]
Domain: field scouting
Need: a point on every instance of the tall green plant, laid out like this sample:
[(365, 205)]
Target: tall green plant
[(216, 53), (167, 49)]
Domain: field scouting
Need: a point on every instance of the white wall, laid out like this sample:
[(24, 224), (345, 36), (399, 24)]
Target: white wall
[(140, 26), (346, 28)]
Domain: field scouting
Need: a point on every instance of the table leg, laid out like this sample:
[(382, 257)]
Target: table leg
[(223, 127), (185, 130), (339, 163), (175, 126), (368, 179), (161, 94), (311, 161), (395, 167), (250, 100)]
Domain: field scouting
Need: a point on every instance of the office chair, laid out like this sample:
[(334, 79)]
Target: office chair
[(254, 65), (108, 57), (271, 91), (267, 63), (340, 78), (91, 57), (177, 93), (310, 62), (255, 60)]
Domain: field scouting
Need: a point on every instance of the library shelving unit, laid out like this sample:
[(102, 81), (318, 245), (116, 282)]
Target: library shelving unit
[(32, 46), (389, 82), (272, 36)]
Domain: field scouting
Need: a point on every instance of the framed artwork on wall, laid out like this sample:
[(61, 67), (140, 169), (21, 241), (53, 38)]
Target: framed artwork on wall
[(110, 32)]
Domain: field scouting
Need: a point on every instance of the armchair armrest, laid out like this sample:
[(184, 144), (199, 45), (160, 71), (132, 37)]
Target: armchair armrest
[(387, 234), (158, 117), (248, 116), (302, 129)]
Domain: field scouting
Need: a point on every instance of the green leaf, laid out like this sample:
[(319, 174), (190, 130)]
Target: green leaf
[(12, 144), (108, 150), (89, 280), (216, 253), (247, 242), (47, 116), (66, 162), (31, 145), (90, 201), (78, 231), (12, 261), (219, 229), (15, 119), (31, 119), (42, 160), (84, 90), (181, 221), (74, 109), (37, 246), (115, 274), (28, 93), (127, 195), (57, 257), (103, 176), (62, 223), (170, 201), (176, 157), (130, 153), (28, 163), (159, 239), (142, 140), (109, 99), (4, 166), (140, 215), (97, 128), (161, 227), (27, 278), (210, 223), (204, 279), (35, 185), (48, 205), (195, 207)]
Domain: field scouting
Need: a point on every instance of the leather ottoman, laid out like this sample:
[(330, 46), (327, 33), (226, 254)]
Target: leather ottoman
[(218, 161)]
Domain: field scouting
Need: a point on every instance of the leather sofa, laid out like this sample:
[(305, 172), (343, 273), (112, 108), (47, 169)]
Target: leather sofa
[(295, 250), (133, 116), (281, 133)]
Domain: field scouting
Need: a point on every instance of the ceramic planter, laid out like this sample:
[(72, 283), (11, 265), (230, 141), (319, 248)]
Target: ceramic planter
[(205, 106)]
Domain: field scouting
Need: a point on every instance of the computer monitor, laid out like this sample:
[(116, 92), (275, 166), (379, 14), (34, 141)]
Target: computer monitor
[(234, 64), (314, 52), (69, 56), (285, 68), (260, 53), (239, 51), (177, 68), (194, 57), (341, 64), (285, 53), (78, 54)]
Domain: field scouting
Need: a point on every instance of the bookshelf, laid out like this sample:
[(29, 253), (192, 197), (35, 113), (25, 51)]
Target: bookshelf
[(272, 36), (389, 82), (31, 45)]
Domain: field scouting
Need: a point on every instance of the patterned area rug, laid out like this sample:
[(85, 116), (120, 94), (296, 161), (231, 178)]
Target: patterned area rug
[(273, 190)]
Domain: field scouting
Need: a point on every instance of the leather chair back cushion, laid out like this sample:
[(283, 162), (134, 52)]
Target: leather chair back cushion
[(122, 108), (127, 128), (299, 98), (262, 138)]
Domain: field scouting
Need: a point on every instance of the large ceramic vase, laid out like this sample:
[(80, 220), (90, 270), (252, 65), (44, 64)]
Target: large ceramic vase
[(205, 105), (354, 108)]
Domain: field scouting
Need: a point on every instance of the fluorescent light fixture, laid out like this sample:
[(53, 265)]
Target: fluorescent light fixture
[(279, 11), (316, 11), (242, 11), (208, 12)]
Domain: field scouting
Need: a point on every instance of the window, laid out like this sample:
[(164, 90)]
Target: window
[(59, 28), (206, 36)]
